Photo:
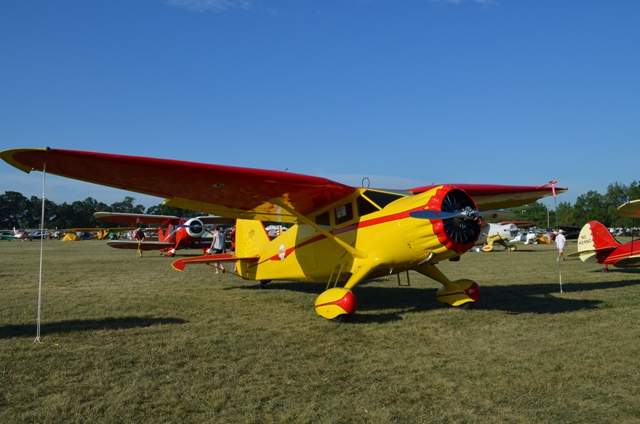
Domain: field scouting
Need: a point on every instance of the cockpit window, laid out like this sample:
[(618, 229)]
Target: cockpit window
[(380, 198), (365, 206), (343, 213), (323, 219)]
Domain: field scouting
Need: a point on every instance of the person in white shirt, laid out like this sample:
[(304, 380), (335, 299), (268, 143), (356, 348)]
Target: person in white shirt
[(561, 241), (217, 247)]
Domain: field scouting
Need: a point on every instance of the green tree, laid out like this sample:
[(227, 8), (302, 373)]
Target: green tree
[(616, 195), (566, 214), (50, 212), (590, 206), (535, 212), (64, 218), (15, 210), (126, 206), (81, 215), (173, 211), (633, 191)]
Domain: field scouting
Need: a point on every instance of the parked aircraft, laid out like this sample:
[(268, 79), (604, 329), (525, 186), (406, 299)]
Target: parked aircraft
[(596, 244), (79, 234), (8, 235), (340, 234), (502, 233), (20, 234), (173, 232)]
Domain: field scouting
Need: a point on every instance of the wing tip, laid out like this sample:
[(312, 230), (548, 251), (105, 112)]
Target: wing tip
[(8, 156)]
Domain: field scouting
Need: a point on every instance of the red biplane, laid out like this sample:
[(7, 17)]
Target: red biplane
[(173, 232), (596, 244)]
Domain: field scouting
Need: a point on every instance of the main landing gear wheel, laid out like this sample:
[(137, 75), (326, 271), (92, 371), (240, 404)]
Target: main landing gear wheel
[(341, 319), (461, 294), (262, 284), (336, 304)]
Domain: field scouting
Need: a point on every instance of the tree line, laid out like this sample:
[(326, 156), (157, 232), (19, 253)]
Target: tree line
[(591, 206), (19, 211)]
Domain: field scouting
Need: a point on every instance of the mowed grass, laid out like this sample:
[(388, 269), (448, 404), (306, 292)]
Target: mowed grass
[(128, 339)]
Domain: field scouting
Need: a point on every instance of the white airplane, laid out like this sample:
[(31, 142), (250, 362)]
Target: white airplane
[(503, 233)]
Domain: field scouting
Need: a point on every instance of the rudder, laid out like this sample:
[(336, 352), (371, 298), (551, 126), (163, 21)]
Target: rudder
[(251, 237), (595, 236)]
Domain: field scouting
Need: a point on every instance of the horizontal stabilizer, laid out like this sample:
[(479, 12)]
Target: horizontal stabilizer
[(591, 251), (207, 259)]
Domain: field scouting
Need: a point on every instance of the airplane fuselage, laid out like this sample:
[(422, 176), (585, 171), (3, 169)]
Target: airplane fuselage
[(623, 256), (392, 240)]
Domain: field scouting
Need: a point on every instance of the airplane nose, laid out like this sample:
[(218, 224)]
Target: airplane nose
[(454, 216), (195, 227), (462, 229)]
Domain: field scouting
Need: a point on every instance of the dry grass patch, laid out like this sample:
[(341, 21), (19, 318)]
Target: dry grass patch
[(129, 339)]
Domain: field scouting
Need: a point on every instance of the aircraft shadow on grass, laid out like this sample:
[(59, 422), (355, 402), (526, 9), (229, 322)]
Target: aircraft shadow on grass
[(69, 326), (513, 299)]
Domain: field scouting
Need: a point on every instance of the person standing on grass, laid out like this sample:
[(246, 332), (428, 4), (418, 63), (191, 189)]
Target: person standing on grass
[(217, 247), (561, 241), (139, 235)]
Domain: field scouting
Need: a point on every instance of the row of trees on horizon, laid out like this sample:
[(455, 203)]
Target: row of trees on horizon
[(19, 211)]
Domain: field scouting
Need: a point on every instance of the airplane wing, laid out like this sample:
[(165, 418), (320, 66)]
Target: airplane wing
[(142, 218), (143, 245), (521, 224), (216, 189), (489, 196), (216, 220), (137, 218), (227, 190), (630, 210), (207, 259), (498, 216), (94, 230)]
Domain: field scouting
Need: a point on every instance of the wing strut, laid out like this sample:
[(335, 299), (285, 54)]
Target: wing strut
[(353, 251)]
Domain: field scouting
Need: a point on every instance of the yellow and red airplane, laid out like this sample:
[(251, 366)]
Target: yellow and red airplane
[(341, 235)]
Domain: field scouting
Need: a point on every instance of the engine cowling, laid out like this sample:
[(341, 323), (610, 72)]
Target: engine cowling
[(459, 233), (448, 221), (195, 228)]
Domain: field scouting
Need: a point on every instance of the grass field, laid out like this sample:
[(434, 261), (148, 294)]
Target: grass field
[(127, 339)]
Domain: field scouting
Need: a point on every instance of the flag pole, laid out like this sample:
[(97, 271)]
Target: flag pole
[(555, 205), (44, 173)]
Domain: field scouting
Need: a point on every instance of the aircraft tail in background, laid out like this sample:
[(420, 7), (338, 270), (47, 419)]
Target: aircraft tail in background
[(594, 237)]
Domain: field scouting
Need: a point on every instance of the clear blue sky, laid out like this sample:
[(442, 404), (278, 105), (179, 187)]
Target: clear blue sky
[(405, 92)]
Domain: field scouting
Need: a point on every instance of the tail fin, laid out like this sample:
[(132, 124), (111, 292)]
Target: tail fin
[(251, 237), (594, 237)]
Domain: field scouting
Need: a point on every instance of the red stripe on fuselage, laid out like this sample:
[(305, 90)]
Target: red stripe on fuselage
[(352, 227)]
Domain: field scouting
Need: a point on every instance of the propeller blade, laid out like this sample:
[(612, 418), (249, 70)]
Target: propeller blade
[(466, 213), (433, 214)]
